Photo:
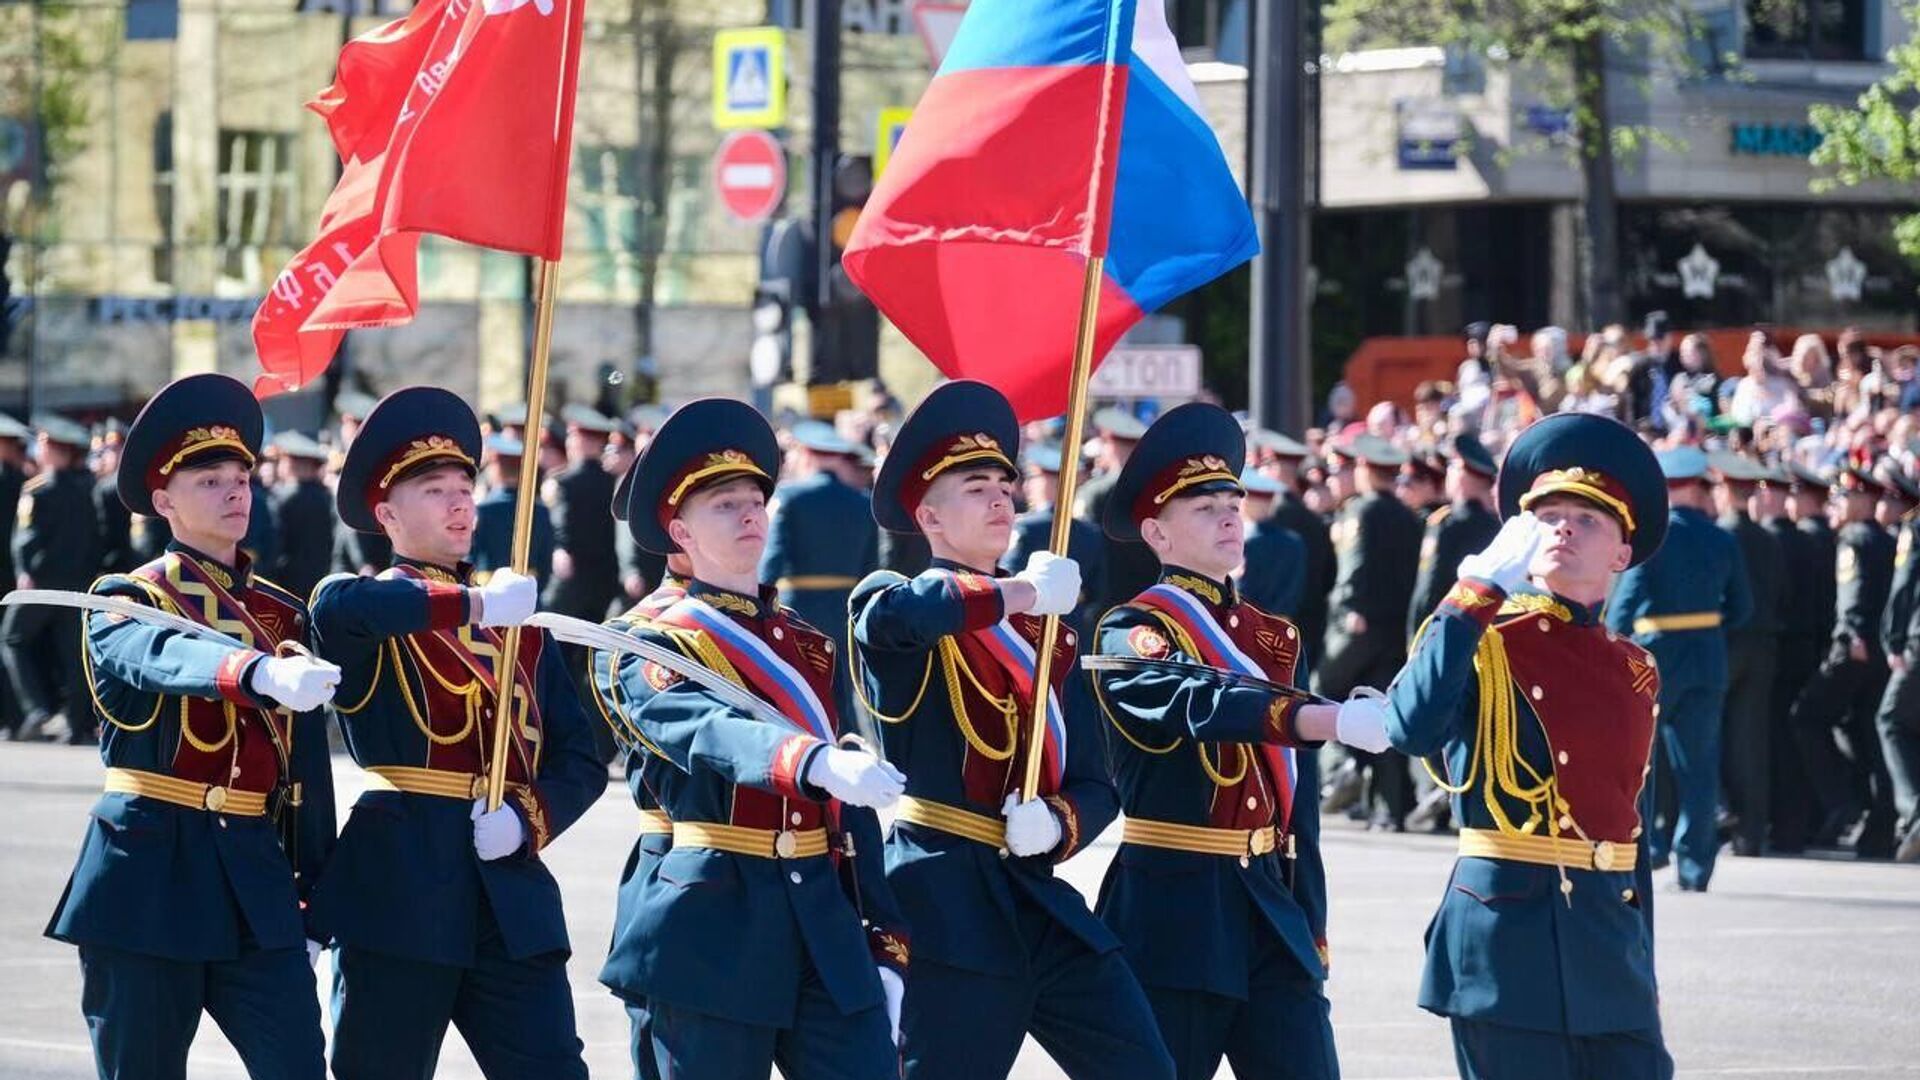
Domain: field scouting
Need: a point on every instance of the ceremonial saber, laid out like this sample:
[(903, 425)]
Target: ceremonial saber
[(1186, 669), (594, 636), (121, 606)]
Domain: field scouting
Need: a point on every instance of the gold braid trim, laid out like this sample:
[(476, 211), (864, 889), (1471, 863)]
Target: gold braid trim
[(860, 693), (952, 665)]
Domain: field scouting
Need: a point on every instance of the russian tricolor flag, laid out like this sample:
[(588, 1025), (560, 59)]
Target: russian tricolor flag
[(1055, 131)]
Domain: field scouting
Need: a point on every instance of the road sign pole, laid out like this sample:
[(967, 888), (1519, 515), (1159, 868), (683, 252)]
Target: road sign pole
[(823, 24)]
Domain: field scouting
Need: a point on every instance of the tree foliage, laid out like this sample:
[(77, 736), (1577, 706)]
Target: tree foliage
[(1878, 138)]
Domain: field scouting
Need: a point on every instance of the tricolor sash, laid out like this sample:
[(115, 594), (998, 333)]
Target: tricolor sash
[(1017, 657), (1219, 650), (766, 672)]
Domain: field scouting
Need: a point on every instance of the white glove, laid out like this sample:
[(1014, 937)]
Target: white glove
[(1505, 562), (496, 834), (896, 991), (1031, 827), (1362, 721), (507, 599), (298, 682), (1055, 581), (856, 778), (313, 953)]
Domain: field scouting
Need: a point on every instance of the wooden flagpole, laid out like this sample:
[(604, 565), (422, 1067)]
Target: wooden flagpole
[(507, 668)]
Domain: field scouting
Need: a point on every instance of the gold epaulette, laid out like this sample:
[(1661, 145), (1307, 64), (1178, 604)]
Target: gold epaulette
[(1534, 604)]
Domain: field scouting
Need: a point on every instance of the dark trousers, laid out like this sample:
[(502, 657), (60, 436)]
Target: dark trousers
[(822, 1044), (1844, 697), (1084, 1008), (1371, 660), (1746, 738), (1282, 1031), (1794, 814), (1899, 723), (1690, 734), (41, 648), (1488, 1051), (640, 1040), (142, 1012), (390, 1014)]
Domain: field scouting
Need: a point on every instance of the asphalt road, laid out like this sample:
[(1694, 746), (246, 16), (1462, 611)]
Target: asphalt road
[(1789, 968)]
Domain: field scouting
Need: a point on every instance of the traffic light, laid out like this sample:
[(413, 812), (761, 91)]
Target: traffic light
[(786, 278), (847, 330)]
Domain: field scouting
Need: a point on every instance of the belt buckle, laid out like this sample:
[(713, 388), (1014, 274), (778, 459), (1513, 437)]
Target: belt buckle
[(786, 844), (1260, 841), (1603, 855), (216, 798)]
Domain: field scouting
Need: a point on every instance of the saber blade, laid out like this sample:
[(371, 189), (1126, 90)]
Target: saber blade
[(118, 605), (1131, 664)]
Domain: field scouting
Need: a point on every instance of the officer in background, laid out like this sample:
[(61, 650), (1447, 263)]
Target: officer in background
[(1273, 570), (493, 515), (188, 893), (1679, 605), (1130, 566), (821, 540), (1282, 457), (1422, 482), (1899, 715), (1845, 693), (303, 507), (14, 437), (1377, 540), (116, 541), (56, 545), (1752, 651), (1033, 531), (1465, 525), (586, 571), (1808, 542)]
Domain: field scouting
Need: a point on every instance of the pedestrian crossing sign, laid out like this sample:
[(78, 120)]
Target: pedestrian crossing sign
[(750, 78)]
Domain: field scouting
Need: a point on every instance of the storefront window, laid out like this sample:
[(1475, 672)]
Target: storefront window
[(1806, 29)]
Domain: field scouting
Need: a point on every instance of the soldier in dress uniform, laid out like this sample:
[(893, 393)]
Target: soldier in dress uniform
[(1130, 566), (1752, 650), (1465, 525), (821, 541), (1899, 715), (775, 871), (116, 542), (1283, 457), (354, 551), (1033, 531), (493, 515), (1273, 572), (303, 507), (1845, 693), (1541, 954), (218, 814), (1218, 894), (14, 437), (1422, 482), (442, 909), (1378, 543), (1808, 541), (947, 662), (1679, 605), (586, 571), (56, 545)]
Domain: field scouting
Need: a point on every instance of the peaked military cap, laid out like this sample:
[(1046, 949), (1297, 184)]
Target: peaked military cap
[(1195, 449), (504, 446), (1858, 481), (1118, 423), (587, 418), (1597, 459), (14, 429), (293, 444), (962, 422), (1897, 481), (1474, 455), (59, 429), (821, 438), (1735, 468), (704, 442), (1682, 464), (411, 431), (191, 423), (353, 403), (1258, 483), (1277, 444)]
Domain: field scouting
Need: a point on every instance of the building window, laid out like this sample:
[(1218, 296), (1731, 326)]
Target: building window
[(256, 188), (1806, 29), (1210, 29)]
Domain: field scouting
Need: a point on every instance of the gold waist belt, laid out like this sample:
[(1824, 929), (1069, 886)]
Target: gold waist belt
[(441, 782), (188, 793), (654, 823), (1549, 850), (758, 843), (979, 828), (1203, 840), (815, 582), (1693, 620)]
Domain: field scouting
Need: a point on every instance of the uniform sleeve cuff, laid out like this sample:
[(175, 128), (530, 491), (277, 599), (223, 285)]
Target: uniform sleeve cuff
[(1069, 817), (234, 678), (1283, 716), (1326, 958), (1477, 600), (790, 762), (891, 948), (532, 808), (448, 606), (981, 603)]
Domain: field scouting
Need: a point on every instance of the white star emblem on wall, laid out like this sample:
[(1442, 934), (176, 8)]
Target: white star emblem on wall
[(1845, 275), (1423, 275), (1698, 273)]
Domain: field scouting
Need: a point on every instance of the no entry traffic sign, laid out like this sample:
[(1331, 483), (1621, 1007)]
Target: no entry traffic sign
[(750, 173)]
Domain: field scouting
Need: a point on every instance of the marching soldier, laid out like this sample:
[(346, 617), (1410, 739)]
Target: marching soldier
[(1130, 566), (442, 909), (493, 516), (1899, 715), (1679, 605), (1218, 894), (56, 545), (303, 507), (116, 543), (1541, 954), (1752, 651), (1845, 693), (1283, 457), (947, 659), (1808, 541), (821, 541), (1456, 530), (14, 437), (1273, 572), (586, 572), (1033, 531), (218, 814), (774, 872), (1377, 540)]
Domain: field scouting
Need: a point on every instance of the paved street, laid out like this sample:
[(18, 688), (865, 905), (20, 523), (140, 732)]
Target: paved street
[(1790, 968)]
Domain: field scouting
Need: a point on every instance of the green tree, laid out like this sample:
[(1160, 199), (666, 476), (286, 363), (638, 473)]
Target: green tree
[(1879, 137), (1569, 52)]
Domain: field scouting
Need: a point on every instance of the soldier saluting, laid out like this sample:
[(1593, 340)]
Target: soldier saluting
[(186, 898)]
